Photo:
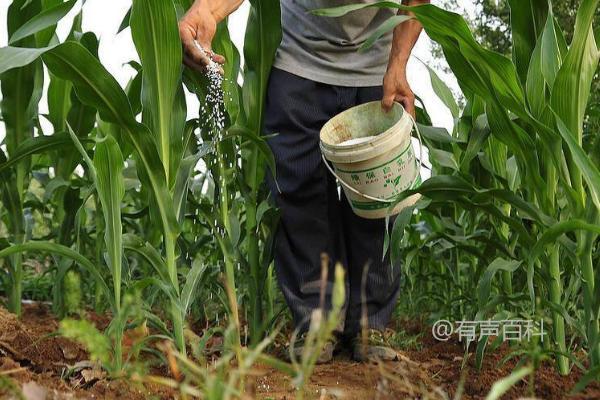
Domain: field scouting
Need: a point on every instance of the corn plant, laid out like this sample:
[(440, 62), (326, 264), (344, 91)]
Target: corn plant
[(239, 206), (163, 154), (544, 186), (21, 91), (157, 143)]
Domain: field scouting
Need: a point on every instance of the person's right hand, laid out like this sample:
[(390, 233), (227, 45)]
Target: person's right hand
[(198, 25)]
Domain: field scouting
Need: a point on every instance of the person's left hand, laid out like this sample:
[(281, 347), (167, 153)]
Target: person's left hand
[(396, 88)]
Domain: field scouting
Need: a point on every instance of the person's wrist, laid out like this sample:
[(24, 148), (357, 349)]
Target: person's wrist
[(222, 9), (398, 64)]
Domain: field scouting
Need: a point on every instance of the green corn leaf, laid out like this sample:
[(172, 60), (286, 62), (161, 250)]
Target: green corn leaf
[(184, 173), (148, 253), (109, 164), (551, 235), (400, 223), (39, 145), (343, 10), (551, 57), (54, 248), (437, 134), (223, 45), (387, 26), (125, 22), (573, 81), (45, 19), (443, 92), (443, 158), (59, 102), (484, 285), (97, 88), (590, 172), (536, 84), (490, 75), (480, 351), (255, 140), (527, 19), (477, 138), (156, 37), (192, 280)]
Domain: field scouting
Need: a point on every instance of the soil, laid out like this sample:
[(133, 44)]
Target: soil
[(35, 360)]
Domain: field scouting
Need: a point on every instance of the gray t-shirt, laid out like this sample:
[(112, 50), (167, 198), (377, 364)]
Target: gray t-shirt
[(325, 49)]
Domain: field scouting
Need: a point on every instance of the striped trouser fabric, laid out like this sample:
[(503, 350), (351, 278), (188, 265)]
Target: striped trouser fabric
[(314, 217)]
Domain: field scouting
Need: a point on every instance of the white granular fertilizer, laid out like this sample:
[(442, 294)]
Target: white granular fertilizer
[(355, 141), (212, 110)]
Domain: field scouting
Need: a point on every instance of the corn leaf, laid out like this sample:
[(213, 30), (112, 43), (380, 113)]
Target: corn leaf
[(14, 57), (156, 38), (44, 20), (343, 10), (551, 53), (388, 25), (484, 286), (536, 85), (263, 36), (97, 88), (38, 145), (148, 253), (505, 384), (109, 164), (590, 172), (64, 251), (193, 278), (527, 21), (572, 85), (551, 235)]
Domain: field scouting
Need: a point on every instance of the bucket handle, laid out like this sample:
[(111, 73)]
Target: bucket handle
[(358, 192)]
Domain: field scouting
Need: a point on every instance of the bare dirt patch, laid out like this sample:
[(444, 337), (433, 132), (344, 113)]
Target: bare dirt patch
[(34, 359)]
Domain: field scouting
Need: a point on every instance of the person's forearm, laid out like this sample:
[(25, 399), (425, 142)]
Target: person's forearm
[(220, 9), (406, 35)]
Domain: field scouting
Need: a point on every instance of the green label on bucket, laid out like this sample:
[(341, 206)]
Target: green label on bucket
[(385, 180), (377, 205)]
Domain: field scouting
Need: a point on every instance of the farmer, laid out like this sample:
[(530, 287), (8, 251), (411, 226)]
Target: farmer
[(318, 72)]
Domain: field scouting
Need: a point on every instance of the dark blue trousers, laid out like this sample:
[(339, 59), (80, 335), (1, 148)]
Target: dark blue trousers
[(315, 217)]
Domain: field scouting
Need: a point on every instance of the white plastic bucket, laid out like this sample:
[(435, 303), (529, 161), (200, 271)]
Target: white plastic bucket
[(374, 171)]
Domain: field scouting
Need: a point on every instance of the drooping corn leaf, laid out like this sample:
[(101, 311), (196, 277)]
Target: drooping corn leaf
[(14, 57), (551, 235), (389, 25), (484, 285), (343, 10), (148, 253), (38, 145), (590, 172), (54, 248)]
